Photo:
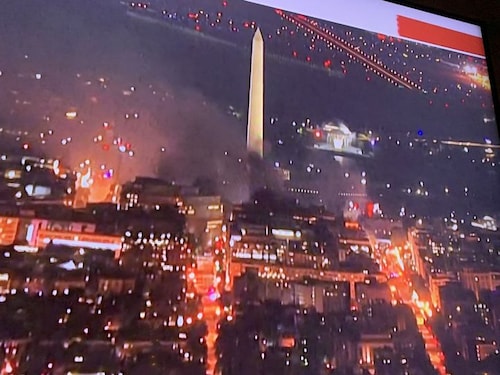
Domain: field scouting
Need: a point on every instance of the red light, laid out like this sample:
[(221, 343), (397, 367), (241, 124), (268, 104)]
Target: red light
[(224, 3), (327, 63), (197, 28), (370, 206), (294, 53), (317, 133), (219, 245), (308, 58), (105, 147)]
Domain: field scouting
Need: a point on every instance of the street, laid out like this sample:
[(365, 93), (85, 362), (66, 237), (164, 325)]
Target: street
[(391, 263)]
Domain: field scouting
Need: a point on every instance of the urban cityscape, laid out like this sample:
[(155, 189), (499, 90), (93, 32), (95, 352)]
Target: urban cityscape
[(219, 187)]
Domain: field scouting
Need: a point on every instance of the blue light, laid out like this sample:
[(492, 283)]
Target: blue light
[(420, 133)]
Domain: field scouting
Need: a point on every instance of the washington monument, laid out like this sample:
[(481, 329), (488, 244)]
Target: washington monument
[(255, 128)]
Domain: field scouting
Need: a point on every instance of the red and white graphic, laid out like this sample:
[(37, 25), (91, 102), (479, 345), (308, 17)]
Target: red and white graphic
[(392, 20), (440, 36)]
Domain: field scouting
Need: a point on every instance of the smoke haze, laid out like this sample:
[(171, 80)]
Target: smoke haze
[(109, 70)]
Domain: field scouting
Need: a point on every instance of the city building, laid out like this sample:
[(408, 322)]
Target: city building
[(477, 280)]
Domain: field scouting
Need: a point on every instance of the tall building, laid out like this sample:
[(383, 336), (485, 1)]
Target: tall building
[(255, 131)]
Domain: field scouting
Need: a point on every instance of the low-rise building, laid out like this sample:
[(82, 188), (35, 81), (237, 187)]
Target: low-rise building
[(476, 279)]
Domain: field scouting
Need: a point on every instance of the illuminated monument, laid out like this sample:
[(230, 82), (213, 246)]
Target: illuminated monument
[(255, 131)]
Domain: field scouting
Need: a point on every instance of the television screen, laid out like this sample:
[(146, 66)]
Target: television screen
[(345, 152)]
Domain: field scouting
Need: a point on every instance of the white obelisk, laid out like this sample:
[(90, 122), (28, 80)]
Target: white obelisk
[(255, 128)]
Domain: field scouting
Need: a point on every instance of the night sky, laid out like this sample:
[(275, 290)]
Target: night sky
[(171, 82)]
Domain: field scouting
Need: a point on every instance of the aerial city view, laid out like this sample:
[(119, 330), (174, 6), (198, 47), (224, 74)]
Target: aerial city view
[(221, 187)]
